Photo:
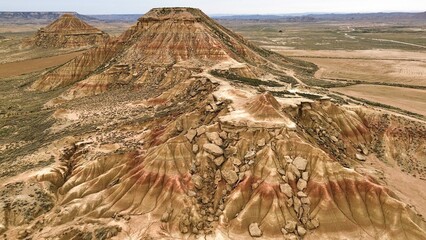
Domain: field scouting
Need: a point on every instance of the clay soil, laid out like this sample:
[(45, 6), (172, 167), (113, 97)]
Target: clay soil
[(408, 188), (413, 100), (33, 65), (393, 66)]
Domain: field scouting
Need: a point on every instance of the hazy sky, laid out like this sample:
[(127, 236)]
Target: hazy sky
[(215, 6)]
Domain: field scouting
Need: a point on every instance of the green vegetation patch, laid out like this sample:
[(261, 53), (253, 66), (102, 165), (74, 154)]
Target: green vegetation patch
[(244, 80), (327, 84)]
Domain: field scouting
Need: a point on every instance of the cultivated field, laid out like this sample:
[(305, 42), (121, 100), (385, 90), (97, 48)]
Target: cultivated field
[(407, 72), (333, 35), (383, 54), (391, 56), (413, 100), (33, 65)]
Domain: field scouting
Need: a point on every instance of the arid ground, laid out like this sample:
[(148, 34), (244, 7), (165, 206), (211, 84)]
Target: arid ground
[(34, 65), (410, 99), (172, 126), (387, 54)]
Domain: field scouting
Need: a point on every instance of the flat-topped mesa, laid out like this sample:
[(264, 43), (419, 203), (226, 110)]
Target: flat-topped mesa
[(69, 31), (165, 47), (69, 23), (172, 35), (176, 14)]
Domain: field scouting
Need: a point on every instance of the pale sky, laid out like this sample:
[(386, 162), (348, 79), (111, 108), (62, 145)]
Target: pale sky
[(216, 6)]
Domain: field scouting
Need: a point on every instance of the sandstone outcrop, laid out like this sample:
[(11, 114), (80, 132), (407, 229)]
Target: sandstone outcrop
[(68, 31), (150, 53), (185, 154)]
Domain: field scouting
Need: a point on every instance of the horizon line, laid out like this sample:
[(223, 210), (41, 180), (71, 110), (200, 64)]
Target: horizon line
[(228, 14)]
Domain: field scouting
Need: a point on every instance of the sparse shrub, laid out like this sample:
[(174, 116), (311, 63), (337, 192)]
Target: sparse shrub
[(240, 79)]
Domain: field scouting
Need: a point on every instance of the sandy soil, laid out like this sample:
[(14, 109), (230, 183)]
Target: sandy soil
[(408, 188), (32, 65), (365, 54), (17, 28), (389, 71), (393, 66), (412, 100), (112, 28)]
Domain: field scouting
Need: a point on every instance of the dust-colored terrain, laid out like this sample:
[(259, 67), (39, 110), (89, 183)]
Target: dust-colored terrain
[(397, 67), (34, 65), (373, 54), (395, 71), (413, 100), (69, 32), (180, 128), (390, 53)]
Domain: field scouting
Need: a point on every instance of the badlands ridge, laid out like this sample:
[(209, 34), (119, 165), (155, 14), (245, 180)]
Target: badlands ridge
[(68, 32), (200, 134)]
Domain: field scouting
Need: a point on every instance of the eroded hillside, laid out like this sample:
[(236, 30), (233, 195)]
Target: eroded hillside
[(186, 130)]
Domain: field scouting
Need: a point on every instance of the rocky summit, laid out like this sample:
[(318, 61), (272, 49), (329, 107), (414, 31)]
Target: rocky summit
[(69, 31), (181, 128), (166, 47)]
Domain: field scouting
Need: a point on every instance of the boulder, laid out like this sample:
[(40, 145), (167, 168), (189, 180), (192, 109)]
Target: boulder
[(290, 176), (305, 200), (213, 149), (236, 161), (362, 148), (305, 176), (255, 230), (365, 151), (315, 222), (219, 160), (230, 176), (290, 226), (286, 189), (201, 130), (281, 171), (223, 135), (293, 169), (360, 157), (231, 150), (191, 134), (301, 195), (261, 142), (297, 204), (214, 137), (301, 231), (301, 184), (250, 155), (300, 163), (195, 148), (166, 216), (198, 181)]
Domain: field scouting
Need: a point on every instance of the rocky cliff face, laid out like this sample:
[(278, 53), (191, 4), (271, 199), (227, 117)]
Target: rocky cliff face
[(68, 31), (165, 47), (226, 163), (182, 153)]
